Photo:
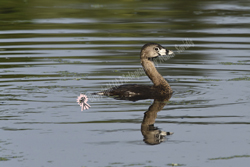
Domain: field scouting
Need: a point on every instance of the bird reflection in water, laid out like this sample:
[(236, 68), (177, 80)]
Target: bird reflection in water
[(152, 134)]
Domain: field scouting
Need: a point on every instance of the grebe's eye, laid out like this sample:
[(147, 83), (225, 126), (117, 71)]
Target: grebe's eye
[(156, 49)]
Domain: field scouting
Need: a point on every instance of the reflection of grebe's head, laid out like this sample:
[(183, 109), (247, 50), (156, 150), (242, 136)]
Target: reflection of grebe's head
[(152, 50), (154, 135)]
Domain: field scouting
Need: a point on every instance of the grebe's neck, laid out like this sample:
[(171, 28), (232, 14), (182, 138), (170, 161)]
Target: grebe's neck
[(153, 74)]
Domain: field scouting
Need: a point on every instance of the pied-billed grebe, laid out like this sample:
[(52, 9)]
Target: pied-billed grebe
[(160, 88)]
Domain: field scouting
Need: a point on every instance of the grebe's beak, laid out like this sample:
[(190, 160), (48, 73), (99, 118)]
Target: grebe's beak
[(170, 52), (164, 52)]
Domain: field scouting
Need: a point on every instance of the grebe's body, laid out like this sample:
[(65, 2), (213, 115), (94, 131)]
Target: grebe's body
[(160, 87)]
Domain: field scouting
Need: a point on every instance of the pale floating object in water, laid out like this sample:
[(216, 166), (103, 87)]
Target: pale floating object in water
[(82, 101)]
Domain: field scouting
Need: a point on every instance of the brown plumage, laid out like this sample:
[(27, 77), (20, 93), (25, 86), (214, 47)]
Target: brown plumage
[(135, 92)]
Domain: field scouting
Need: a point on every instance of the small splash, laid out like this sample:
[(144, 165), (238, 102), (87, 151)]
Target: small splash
[(82, 101)]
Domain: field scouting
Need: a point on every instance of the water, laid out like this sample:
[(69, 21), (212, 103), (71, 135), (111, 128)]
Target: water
[(50, 52)]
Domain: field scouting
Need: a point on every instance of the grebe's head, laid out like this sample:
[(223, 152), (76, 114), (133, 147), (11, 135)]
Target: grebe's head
[(153, 50)]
